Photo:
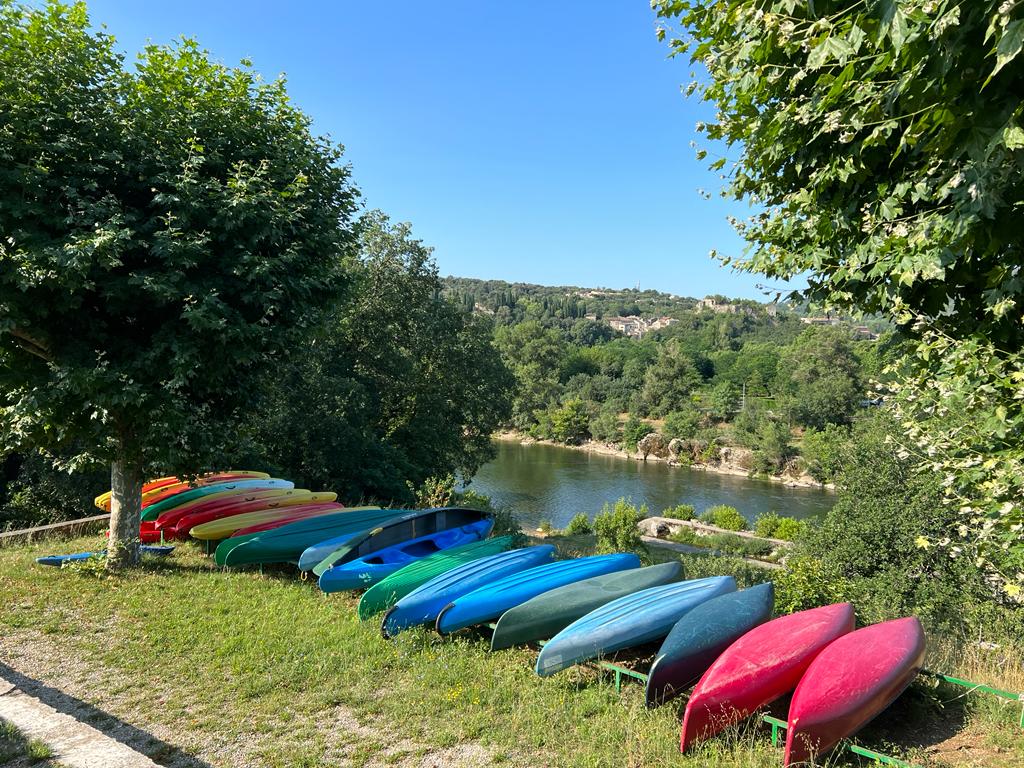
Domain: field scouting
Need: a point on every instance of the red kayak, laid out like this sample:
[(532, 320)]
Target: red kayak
[(763, 665), (168, 519), (180, 486), (299, 513), (300, 499), (148, 532), (851, 682)]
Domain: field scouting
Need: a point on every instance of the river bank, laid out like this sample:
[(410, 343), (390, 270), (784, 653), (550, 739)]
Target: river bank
[(733, 464)]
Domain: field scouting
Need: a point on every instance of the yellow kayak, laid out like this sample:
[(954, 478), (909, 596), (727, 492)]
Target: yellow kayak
[(224, 527), (161, 486)]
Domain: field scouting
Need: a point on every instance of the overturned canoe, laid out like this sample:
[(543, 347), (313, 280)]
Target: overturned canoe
[(628, 622), (154, 511), (422, 605), (763, 665), (231, 525), (390, 590), (849, 683), (169, 519), (488, 602), (182, 527), (60, 560), (402, 527), (546, 615), (286, 543), (364, 572), (702, 635)]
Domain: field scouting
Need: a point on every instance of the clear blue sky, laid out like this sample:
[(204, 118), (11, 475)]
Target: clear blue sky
[(530, 141)]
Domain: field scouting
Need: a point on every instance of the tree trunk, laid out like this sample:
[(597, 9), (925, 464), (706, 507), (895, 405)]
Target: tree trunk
[(125, 511)]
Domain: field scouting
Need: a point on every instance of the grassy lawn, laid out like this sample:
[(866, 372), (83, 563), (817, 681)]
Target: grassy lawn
[(239, 668)]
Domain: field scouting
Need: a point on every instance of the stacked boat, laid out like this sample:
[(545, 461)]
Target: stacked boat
[(438, 568)]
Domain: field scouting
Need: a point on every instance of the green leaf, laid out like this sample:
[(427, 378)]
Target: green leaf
[(832, 48), (1009, 45), (1013, 137)]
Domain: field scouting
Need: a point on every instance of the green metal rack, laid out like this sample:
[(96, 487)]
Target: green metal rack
[(778, 726)]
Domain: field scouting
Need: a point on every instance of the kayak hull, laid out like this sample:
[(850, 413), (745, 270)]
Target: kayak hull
[(763, 665), (60, 560), (154, 511), (488, 602), (544, 616), (423, 604), (849, 683), (284, 544), (636, 619), (393, 588), (364, 572), (402, 528), (701, 636), (185, 524)]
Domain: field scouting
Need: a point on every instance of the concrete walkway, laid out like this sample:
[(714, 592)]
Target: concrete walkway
[(74, 744)]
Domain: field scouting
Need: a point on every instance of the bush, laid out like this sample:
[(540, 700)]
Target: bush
[(766, 524), (505, 523), (684, 536), (681, 424), (724, 516), (737, 545), (579, 526), (822, 451), (808, 582), (790, 529), (634, 431), (680, 512), (616, 528), (546, 527), (605, 427), (570, 424)]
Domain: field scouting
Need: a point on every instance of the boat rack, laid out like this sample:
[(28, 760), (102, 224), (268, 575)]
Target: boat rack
[(778, 726)]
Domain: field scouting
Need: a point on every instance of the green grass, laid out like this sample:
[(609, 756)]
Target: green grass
[(15, 746), (267, 663)]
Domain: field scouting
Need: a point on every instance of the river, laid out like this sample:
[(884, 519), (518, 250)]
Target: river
[(545, 482)]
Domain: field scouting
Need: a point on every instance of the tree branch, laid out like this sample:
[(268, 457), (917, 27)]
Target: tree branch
[(31, 344)]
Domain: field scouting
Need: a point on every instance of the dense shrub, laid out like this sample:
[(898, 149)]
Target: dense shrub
[(790, 529), (724, 516), (684, 535), (616, 528), (33, 491), (767, 523), (808, 582), (605, 427), (738, 545), (682, 424), (633, 431), (822, 451), (579, 526), (680, 512), (570, 424), (546, 527)]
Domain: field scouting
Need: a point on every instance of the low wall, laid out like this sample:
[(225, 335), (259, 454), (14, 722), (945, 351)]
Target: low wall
[(663, 527), (66, 529)]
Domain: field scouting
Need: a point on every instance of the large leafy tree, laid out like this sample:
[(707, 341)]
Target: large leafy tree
[(535, 355), (883, 145), (166, 232), (818, 380), (399, 384)]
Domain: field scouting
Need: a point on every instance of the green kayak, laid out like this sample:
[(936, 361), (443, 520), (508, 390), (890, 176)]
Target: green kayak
[(286, 544), (387, 592), (544, 616)]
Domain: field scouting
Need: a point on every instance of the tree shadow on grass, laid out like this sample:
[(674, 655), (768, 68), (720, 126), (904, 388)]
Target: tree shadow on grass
[(142, 741)]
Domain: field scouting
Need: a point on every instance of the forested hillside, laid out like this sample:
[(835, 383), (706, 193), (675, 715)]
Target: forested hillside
[(768, 377)]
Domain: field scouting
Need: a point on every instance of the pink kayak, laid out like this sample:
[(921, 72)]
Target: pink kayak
[(761, 666), (851, 682)]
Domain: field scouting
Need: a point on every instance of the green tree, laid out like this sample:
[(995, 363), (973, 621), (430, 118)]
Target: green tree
[(819, 378), (570, 424), (168, 234), (605, 427), (398, 387), (882, 143), (823, 451), (633, 431), (669, 381), (682, 424), (534, 354)]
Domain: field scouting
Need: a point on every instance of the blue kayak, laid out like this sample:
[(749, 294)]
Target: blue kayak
[(491, 600), (701, 636), (59, 560), (368, 570), (642, 617), (422, 605)]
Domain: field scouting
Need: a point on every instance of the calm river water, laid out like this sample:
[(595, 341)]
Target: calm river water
[(544, 482)]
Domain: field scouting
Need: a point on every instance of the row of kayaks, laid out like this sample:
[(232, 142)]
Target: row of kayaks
[(438, 568)]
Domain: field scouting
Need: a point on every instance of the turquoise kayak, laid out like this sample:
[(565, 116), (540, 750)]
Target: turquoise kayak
[(370, 569), (491, 600), (702, 635), (422, 605), (636, 619), (546, 615)]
